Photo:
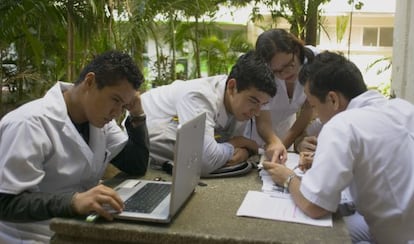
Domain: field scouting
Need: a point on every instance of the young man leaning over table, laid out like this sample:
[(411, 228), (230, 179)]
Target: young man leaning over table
[(365, 144), (227, 100), (355, 223)]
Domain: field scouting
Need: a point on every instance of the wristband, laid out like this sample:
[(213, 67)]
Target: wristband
[(288, 180), (139, 118)]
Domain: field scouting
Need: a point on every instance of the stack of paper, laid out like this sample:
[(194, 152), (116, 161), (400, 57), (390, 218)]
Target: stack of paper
[(273, 203)]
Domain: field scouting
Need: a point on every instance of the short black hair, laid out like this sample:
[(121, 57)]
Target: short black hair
[(331, 71), (251, 71), (112, 67)]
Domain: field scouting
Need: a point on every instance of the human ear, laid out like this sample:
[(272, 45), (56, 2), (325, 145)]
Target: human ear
[(333, 98), (89, 79), (232, 86)]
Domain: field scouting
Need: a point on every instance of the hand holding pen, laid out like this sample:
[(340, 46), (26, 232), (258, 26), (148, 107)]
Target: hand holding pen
[(305, 161)]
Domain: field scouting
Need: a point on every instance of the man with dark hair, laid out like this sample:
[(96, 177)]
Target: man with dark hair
[(227, 100), (366, 144), (54, 150)]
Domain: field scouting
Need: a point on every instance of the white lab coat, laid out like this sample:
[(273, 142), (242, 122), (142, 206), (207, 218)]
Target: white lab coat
[(282, 109), (41, 151), (186, 99), (368, 148)]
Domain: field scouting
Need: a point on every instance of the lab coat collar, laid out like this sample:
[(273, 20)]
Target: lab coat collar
[(57, 111), (223, 116), (367, 98), (56, 105)]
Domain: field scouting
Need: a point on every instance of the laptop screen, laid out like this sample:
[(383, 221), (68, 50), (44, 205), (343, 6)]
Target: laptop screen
[(187, 160)]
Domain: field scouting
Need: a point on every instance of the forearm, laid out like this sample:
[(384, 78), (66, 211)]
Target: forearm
[(239, 155), (215, 155), (243, 142), (290, 138), (309, 208), (133, 159), (297, 144), (271, 138), (299, 127), (35, 206)]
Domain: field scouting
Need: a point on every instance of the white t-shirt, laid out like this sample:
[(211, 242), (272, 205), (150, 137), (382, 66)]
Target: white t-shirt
[(368, 147)]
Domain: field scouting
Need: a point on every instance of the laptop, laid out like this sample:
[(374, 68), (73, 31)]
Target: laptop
[(142, 204)]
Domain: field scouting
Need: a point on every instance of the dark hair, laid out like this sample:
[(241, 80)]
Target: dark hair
[(332, 72), (250, 71), (112, 67), (275, 41)]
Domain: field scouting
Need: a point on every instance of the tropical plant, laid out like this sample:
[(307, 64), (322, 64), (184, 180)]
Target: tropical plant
[(221, 53), (24, 25), (40, 38), (382, 65), (303, 16), (341, 26)]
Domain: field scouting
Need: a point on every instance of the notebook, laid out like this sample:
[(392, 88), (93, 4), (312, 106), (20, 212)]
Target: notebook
[(169, 197)]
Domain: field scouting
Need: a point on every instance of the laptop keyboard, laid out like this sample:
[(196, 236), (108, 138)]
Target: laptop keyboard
[(147, 198)]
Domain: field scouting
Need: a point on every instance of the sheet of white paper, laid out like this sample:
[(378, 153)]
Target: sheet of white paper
[(274, 203), (292, 160), (277, 206)]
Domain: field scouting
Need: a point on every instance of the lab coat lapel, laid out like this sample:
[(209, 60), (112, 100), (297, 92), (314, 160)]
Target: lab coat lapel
[(58, 113), (71, 132), (97, 144)]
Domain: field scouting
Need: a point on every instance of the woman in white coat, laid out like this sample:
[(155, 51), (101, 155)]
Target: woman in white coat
[(54, 150), (290, 113)]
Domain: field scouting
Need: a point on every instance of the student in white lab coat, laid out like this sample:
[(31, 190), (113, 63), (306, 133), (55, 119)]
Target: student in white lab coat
[(306, 146), (54, 150), (366, 144), (227, 100), (289, 112)]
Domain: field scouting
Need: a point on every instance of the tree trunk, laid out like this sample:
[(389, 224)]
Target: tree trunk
[(173, 47), (70, 38), (197, 49), (312, 23), (1, 84), (111, 34)]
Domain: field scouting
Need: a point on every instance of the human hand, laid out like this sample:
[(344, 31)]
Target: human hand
[(308, 144), (97, 199), (239, 155), (135, 107), (277, 153), (278, 172), (305, 160), (243, 142)]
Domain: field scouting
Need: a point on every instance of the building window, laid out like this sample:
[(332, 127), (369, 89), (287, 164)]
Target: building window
[(378, 37)]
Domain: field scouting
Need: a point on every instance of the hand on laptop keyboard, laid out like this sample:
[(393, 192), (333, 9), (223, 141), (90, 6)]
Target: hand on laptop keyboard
[(101, 200)]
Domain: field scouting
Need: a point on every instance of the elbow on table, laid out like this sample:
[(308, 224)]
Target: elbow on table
[(207, 168), (210, 162), (314, 211)]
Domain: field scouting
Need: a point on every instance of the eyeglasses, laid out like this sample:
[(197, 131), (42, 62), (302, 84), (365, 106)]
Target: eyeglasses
[(286, 68)]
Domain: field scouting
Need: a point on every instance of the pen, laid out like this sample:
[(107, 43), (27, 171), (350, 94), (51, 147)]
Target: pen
[(302, 161), (92, 217)]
